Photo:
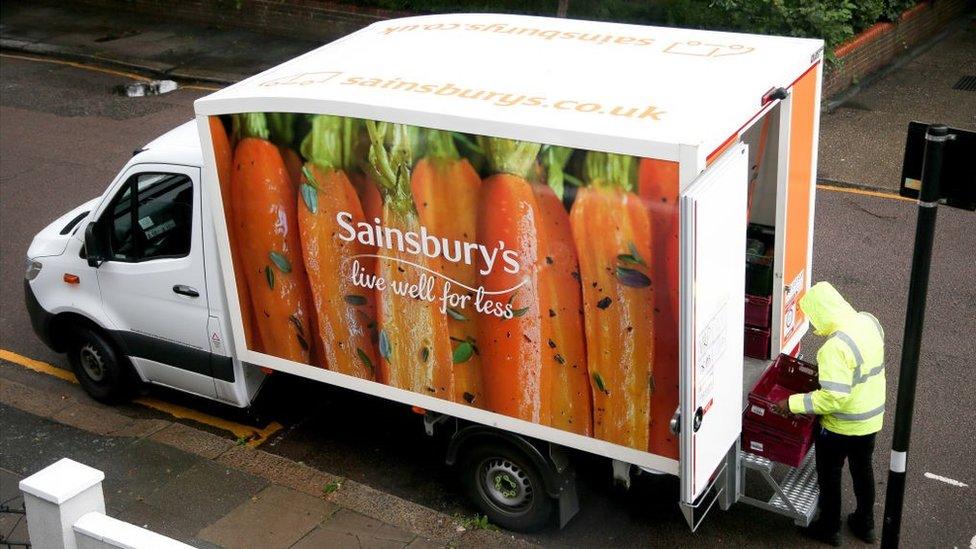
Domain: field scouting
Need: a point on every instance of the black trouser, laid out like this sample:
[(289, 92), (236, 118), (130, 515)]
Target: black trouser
[(832, 450)]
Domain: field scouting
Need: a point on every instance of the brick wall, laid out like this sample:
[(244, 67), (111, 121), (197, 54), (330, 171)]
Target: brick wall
[(882, 43)]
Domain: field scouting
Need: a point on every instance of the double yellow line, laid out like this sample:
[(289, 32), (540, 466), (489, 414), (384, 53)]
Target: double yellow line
[(252, 437)]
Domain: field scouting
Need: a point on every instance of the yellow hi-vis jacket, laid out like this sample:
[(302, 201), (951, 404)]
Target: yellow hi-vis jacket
[(851, 397)]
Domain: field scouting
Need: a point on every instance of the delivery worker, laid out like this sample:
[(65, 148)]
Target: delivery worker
[(850, 403)]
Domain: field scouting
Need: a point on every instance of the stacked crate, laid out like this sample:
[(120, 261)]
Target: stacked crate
[(767, 432), (760, 243)]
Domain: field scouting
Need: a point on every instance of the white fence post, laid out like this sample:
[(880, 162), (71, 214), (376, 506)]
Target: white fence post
[(56, 497)]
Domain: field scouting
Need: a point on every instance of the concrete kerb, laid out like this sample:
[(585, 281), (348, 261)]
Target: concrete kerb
[(427, 523)]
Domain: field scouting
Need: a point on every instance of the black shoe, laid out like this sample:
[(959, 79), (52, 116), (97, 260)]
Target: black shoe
[(818, 533), (860, 529)]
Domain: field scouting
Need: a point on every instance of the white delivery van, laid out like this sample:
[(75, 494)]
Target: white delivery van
[(533, 229)]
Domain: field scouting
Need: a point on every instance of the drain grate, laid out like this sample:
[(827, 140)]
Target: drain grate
[(966, 83)]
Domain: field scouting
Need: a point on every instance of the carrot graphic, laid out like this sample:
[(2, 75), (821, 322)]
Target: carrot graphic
[(445, 192), (613, 239), (414, 341), (512, 348), (281, 126), (561, 304), (357, 147), (265, 221), (345, 313), (225, 160), (658, 186)]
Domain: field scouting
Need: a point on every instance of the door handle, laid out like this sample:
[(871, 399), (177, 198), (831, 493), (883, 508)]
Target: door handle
[(183, 289)]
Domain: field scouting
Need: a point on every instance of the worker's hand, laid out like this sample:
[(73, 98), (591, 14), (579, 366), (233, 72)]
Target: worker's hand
[(782, 407)]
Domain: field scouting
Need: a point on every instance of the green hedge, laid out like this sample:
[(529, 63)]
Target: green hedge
[(832, 20)]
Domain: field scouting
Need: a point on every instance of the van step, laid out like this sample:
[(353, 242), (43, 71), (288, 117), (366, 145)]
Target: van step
[(757, 462), (798, 485)]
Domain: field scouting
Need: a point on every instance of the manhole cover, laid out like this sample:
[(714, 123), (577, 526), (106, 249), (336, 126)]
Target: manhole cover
[(966, 83)]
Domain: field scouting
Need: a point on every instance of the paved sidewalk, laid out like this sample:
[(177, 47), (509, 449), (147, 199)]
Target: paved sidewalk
[(201, 488)]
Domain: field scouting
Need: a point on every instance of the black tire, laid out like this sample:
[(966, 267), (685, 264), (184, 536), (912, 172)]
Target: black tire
[(101, 371), (507, 486)]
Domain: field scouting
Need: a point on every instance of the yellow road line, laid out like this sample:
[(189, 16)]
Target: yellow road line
[(38, 366), (864, 192), (114, 72), (252, 437)]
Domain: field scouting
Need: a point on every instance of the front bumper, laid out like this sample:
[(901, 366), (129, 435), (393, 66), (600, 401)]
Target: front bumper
[(41, 320)]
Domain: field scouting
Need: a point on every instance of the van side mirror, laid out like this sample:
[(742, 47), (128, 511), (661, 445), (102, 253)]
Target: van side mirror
[(94, 245)]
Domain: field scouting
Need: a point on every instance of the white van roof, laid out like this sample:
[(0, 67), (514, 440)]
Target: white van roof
[(600, 86), (179, 145)]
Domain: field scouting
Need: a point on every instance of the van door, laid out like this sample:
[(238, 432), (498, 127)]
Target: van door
[(795, 208), (713, 241), (152, 283)]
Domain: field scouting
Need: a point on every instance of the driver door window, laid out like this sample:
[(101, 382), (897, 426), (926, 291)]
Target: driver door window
[(152, 218)]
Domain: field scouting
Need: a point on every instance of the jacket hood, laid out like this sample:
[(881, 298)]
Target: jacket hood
[(825, 308)]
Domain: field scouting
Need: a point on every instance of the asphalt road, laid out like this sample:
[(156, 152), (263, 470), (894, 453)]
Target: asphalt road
[(63, 135)]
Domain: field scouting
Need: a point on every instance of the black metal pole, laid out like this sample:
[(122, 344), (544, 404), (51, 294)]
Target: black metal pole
[(928, 201)]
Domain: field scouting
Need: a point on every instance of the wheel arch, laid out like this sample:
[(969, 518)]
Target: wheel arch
[(469, 435)]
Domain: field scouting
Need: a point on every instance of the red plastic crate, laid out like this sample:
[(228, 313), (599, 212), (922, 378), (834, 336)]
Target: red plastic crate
[(758, 311), (786, 376), (777, 445), (756, 342)]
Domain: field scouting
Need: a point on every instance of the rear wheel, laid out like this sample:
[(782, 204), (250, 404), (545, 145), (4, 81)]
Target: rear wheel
[(507, 486), (101, 371)]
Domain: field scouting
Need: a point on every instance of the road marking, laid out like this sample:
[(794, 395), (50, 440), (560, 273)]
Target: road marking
[(95, 68), (251, 436), (38, 366), (947, 480), (864, 192)]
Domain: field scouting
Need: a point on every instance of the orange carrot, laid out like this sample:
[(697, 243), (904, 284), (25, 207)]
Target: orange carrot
[(369, 196), (445, 192), (224, 159), (512, 348), (561, 303), (265, 219), (414, 341), (658, 186), (293, 165), (281, 132), (611, 229), (345, 313)]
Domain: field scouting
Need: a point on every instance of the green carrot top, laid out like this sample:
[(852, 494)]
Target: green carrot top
[(510, 156), (330, 142), (554, 160), (440, 145), (611, 171), (389, 160), (251, 124), (281, 126)]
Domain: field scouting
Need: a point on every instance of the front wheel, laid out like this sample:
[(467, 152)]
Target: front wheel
[(100, 370), (507, 486)]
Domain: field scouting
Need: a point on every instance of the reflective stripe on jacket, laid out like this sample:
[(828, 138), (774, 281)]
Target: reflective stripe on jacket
[(851, 397)]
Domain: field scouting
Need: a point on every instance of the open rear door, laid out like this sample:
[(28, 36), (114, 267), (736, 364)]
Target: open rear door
[(713, 241)]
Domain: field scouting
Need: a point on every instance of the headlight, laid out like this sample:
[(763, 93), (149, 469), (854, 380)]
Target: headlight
[(33, 269)]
